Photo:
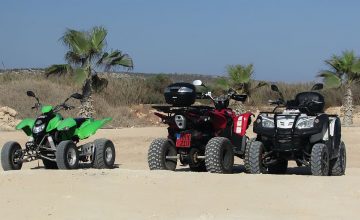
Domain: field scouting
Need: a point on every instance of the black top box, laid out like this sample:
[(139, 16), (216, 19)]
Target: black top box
[(180, 94)]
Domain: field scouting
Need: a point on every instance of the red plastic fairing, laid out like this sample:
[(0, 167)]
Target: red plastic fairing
[(241, 123)]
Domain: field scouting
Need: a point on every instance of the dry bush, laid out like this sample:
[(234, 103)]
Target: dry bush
[(120, 98)]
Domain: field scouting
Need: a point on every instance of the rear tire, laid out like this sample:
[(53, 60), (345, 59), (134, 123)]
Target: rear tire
[(51, 165), (219, 155), (9, 152), (256, 151), (320, 160), (67, 155), (104, 155), (279, 168), (158, 150), (338, 165)]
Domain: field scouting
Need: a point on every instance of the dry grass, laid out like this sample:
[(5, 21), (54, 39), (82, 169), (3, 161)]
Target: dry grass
[(121, 99)]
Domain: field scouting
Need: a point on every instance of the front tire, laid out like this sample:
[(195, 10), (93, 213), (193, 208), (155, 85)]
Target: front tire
[(67, 155), (338, 165), (10, 152), (255, 158), (158, 151), (104, 154), (320, 160), (219, 155), (246, 156)]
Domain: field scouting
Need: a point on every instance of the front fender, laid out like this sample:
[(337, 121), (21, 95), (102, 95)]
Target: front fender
[(26, 125), (66, 124), (90, 127)]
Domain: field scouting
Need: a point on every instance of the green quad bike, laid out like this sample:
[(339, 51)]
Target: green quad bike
[(54, 140)]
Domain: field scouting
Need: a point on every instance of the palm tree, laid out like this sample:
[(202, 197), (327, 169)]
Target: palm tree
[(344, 72), (241, 79), (86, 54)]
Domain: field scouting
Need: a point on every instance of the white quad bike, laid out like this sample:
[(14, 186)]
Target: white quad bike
[(301, 132)]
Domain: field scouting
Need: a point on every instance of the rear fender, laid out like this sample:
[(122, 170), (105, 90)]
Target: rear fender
[(26, 125), (90, 127), (242, 123)]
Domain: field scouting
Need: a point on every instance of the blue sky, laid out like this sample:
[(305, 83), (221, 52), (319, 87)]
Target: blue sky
[(286, 40)]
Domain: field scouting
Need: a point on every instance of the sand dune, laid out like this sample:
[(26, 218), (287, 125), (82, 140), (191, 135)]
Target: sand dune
[(133, 192)]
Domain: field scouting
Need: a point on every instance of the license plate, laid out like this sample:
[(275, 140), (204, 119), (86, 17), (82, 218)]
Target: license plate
[(183, 140)]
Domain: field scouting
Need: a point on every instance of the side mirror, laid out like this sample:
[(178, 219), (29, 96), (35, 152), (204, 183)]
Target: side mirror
[(77, 96), (30, 94), (274, 88), (317, 86), (197, 83)]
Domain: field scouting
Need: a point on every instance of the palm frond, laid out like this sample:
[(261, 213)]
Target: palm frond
[(330, 79), (80, 75), (77, 41), (97, 37), (58, 69)]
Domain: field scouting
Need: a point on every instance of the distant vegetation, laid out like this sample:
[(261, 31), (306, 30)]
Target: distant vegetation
[(125, 91)]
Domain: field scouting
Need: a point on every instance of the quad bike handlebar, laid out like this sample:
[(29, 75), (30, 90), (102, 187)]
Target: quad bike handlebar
[(57, 108)]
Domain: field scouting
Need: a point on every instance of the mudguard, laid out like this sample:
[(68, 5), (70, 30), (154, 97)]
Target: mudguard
[(242, 123), (89, 127), (54, 122), (66, 124), (26, 125)]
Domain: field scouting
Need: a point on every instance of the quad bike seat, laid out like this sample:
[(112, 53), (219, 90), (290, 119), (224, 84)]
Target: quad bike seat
[(79, 121), (304, 99)]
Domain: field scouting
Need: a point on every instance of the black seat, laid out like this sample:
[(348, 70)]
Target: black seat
[(304, 99), (79, 121)]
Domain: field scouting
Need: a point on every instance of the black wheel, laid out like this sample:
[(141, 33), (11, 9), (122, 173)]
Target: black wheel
[(279, 168), (159, 150), (67, 155), (195, 164), (104, 154), (255, 158), (320, 160), (338, 165), (48, 164), (10, 154), (246, 156), (219, 155)]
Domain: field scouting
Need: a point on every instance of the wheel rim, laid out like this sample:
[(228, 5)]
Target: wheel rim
[(71, 157), (15, 156), (108, 154)]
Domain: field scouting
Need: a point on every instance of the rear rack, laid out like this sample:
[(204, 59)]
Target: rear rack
[(172, 109)]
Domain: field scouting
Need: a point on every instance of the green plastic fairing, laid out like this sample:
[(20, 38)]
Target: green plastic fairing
[(66, 124), (89, 127), (54, 123), (26, 125), (46, 109)]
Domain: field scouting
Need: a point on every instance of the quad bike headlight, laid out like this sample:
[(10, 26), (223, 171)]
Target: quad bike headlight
[(304, 123), (180, 121), (267, 123), (38, 129)]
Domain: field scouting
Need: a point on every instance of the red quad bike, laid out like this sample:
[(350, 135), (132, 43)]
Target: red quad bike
[(204, 137)]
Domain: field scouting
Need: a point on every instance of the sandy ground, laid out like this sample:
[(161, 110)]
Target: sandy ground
[(131, 191)]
